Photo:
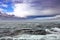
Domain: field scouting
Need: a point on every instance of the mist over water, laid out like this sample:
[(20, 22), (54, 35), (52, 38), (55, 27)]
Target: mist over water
[(12, 27)]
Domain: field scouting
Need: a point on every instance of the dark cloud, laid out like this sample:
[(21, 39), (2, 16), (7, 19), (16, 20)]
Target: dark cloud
[(45, 3)]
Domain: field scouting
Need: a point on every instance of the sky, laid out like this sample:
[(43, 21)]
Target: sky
[(31, 8)]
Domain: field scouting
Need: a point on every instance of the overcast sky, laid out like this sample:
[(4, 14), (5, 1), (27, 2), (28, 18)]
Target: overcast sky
[(25, 8)]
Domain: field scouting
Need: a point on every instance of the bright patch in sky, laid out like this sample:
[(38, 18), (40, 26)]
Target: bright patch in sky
[(21, 10)]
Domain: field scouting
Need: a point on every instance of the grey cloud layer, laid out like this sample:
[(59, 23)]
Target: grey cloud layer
[(39, 3)]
